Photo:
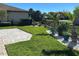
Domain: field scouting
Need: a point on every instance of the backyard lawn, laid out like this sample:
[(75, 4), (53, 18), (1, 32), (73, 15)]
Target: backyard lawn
[(39, 41)]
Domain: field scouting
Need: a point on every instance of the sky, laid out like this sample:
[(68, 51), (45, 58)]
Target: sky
[(46, 7)]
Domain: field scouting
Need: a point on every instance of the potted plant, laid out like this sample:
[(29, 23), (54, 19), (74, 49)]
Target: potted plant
[(66, 36)]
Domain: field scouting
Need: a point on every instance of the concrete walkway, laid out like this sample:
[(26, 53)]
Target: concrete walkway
[(2, 49), (9, 36)]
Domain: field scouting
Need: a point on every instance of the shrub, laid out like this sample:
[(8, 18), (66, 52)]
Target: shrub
[(26, 21), (62, 27), (52, 30), (66, 36)]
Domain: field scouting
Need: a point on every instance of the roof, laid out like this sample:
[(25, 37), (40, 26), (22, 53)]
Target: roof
[(9, 8)]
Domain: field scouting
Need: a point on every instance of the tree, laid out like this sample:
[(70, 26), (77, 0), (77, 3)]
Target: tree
[(35, 15), (76, 12), (31, 13), (38, 16), (68, 16), (44, 16), (52, 17), (71, 16)]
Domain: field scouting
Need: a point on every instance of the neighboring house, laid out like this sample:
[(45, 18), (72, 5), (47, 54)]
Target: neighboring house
[(13, 14)]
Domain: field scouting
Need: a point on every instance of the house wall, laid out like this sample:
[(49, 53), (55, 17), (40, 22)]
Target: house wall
[(3, 17), (17, 16)]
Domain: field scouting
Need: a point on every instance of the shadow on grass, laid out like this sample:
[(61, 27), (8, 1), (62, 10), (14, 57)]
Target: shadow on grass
[(42, 34), (45, 35), (58, 52)]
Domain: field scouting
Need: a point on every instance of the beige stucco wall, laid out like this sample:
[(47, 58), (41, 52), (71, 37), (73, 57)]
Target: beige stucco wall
[(17, 16), (3, 19)]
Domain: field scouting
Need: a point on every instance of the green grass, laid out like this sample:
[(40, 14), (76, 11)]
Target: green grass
[(39, 41), (34, 30)]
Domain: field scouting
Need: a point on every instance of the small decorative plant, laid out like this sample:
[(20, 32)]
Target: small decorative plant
[(66, 36), (62, 27)]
